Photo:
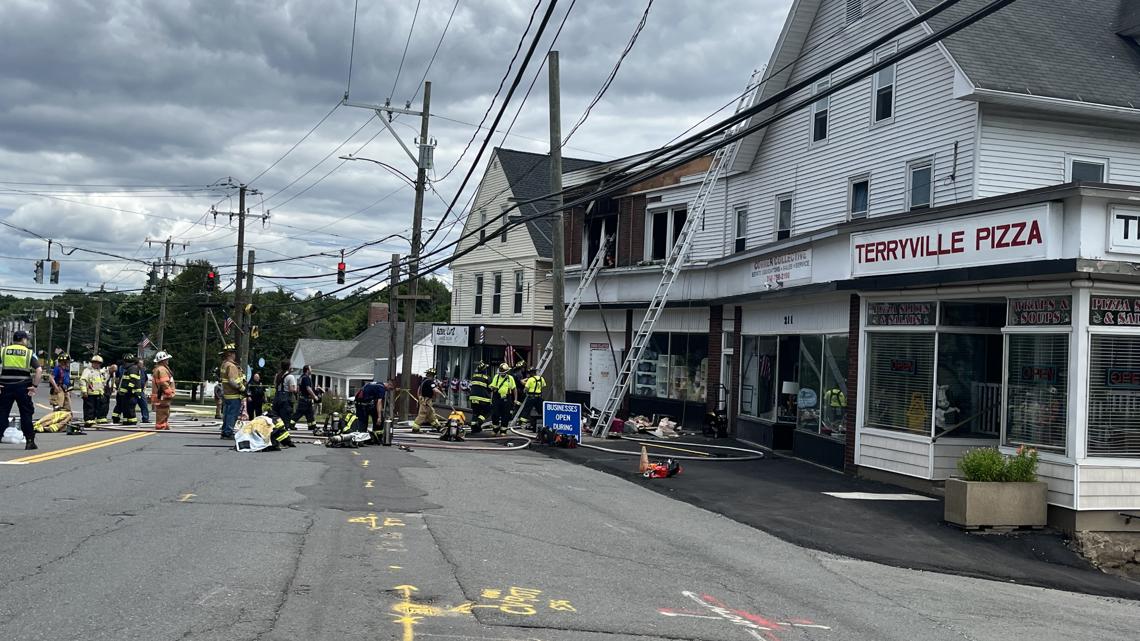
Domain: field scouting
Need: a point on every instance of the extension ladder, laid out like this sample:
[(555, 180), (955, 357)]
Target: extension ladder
[(671, 269), (572, 308)]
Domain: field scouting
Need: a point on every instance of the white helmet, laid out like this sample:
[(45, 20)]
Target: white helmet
[(161, 356)]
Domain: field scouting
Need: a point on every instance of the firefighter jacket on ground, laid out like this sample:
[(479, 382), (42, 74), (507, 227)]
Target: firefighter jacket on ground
[(480, 392), (534, 385), (233, 381), (93, 381), (503, 384), (19, 364)]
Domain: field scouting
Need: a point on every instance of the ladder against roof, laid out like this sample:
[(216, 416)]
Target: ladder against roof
[(671, 269), (572, 307)]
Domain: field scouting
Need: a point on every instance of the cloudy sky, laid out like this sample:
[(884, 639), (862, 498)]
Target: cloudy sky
[(116, 115)]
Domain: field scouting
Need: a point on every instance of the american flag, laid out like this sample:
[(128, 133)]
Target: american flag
[(510, 356), (226, 326), (146, 342)]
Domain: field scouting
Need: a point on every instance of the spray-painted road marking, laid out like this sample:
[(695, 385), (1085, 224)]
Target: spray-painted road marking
[(78, 449), (406, 620), (369, 483), (757, 626), (873, 496), (186, 497), (364, 463)]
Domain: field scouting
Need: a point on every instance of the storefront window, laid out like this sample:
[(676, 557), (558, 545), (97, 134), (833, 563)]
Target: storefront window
[(809, 380), (1038, 383), (1114, 396), (967, 401), (453, 366), (900, 376), (674, 366), (833, 397)]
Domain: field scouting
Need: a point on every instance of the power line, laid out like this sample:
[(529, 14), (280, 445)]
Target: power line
[(307, 134), (443, 35), (351, 51), (407, 42), (322, 160)]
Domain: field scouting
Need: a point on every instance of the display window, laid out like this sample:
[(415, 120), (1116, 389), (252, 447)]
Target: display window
[(900, 380), (796, 378), (453, 370), (757, 377), (1037, 380), (674, 366), (1114, 396)]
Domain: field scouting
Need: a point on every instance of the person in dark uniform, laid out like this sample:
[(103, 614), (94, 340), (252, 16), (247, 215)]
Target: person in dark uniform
[(307, 396), (480, 397), (20, 372), (370, 404), (284, 393), (429, 388), (256, 402)]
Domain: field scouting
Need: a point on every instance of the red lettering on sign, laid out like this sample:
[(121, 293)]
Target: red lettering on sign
[(984, 233)]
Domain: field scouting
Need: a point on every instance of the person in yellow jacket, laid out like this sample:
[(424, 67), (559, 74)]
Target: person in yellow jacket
[(20, 372), (162, 391), (93, 389), (504, 394), (233, 389), (533, 386)]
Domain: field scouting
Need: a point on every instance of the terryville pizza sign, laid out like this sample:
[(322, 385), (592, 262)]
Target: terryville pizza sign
[(1000, 237)]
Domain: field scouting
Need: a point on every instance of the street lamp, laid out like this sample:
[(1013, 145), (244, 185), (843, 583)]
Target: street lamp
[(411, 181)]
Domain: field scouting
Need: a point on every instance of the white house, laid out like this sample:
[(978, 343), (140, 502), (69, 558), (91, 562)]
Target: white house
[(342, 367), (502, 290), (940, 256)]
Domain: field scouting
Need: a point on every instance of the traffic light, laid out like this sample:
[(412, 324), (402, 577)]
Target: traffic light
[(39, 278), (340, 273), (152, 278), (211, 281), (54, 272)]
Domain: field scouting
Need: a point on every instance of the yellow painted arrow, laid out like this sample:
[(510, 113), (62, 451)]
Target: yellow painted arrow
[(406, 590)]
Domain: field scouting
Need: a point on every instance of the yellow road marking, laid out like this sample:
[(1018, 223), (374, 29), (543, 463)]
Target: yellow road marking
[(364, 463), (369, 483), (79, 449), (186, 497), (406, 619)]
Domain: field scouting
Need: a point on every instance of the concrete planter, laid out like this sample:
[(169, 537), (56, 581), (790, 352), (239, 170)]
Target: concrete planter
[(973, 504)]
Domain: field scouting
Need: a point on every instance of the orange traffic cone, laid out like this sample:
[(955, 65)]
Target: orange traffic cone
[(644, 465)]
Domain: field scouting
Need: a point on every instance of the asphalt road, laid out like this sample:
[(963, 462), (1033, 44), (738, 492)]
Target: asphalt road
[(165, 536)]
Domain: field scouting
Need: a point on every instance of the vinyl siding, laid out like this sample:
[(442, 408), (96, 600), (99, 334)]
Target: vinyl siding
[(1110, 488), (928, 121), (894, 454), (1021, 151)]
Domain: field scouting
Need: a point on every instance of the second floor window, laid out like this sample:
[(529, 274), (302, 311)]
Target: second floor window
[(664, 227), (819, 111), (478, 294), (503, 221), (859, 198), (482, 226), (741, 229), (518, 291), (497, 294), (920, 184), (783, 216), (1087, 169), (883, 98)]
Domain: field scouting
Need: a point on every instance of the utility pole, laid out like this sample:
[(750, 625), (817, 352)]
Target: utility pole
[(166, 265), (51, 314), (244, 354), (70, 323), (423, 162), (98, 320), (238, 304), (202, 371), (558, 308), (393, 314)]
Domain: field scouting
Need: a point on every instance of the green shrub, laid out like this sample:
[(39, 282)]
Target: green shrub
[(986, 464)]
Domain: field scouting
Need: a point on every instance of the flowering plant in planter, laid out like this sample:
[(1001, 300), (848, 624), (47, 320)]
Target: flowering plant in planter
[(986, 464), (996, 490)]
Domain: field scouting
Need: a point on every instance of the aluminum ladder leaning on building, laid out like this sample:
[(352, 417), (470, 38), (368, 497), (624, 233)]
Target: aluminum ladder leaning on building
[(671, 270), (571, 310)]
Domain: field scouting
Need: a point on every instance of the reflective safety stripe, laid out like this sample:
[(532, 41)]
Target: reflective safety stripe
[(16, 364), (283, 435)]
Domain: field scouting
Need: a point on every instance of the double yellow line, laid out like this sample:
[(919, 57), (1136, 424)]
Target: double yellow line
[(78, 449)]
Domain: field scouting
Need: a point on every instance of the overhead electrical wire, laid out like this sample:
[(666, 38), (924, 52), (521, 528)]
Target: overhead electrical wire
[(435, 52), (298, 143), (404, 56)]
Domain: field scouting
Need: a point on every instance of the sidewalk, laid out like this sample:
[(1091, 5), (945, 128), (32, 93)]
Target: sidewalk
[(784, 497)]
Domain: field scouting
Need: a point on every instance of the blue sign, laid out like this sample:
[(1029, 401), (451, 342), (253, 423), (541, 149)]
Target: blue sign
[(563, 418)]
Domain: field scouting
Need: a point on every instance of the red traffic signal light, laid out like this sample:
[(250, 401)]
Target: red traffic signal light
[(211, 281), (340, 273)]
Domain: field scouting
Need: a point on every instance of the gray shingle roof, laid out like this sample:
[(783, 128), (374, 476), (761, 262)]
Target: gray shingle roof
[(319, 351), (1055, 48), (529, 177)]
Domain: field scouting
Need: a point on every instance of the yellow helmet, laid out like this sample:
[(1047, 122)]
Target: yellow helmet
[(228, 347)]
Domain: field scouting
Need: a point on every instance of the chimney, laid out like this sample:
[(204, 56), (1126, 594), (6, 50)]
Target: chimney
[(377, 313), (1128, 19)]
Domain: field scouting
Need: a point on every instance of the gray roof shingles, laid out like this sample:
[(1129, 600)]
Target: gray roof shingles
[(1053, 48), (529, 177)]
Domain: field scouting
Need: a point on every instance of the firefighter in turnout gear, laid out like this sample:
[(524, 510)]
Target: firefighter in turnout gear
[(428, 390), (480, 398), (19, 374), (129, 387), (233, 389), (162, 391), (533, 386), (93, 389), (504, 395)]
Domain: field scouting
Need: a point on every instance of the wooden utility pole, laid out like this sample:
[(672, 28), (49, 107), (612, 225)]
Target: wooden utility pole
[(70, 323), (558, 307), (249, 319), (238, 303), (98, 320), (393, 314), (167, 266), (202, 371), (413, 264)]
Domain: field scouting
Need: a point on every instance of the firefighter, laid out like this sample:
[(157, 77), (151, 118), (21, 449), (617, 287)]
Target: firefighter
[(19, 373), (428, 390), (233, 389), (129, 387), (505, 394), (480, 398), (61, 383), (284, 393), (533, 386), (162, 391), (93, 389), (369, 401)]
